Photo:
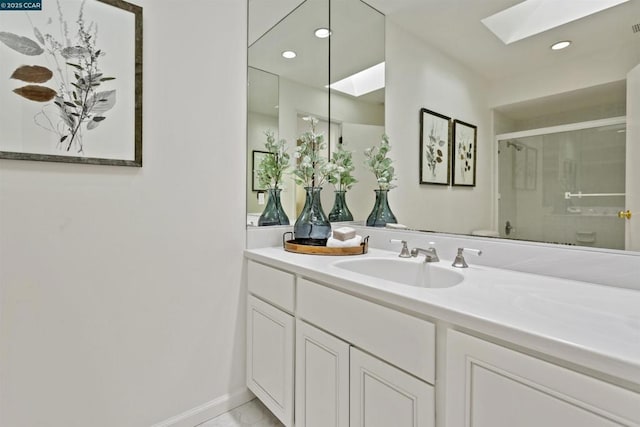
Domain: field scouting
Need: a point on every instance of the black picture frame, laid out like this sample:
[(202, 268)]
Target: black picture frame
[(256, 158), (465, 139), (435, 148)]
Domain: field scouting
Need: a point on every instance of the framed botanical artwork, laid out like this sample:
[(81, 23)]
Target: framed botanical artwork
[(464, 153), (257, 157), (435, 148), (71, 83)]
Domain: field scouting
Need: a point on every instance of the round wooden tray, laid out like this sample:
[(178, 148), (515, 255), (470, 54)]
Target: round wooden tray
[(292, 245)]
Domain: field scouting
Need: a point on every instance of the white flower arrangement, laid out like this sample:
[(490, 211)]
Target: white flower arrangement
[(312, 169), (377, 161), (340, 168), (273, 165)]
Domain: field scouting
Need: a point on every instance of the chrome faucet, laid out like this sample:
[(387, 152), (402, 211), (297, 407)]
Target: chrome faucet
[(404, 252), (430, 255), (459, 261)]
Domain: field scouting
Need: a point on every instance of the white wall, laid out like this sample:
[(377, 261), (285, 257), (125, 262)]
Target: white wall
[(582, 72), (120, 288), (419, 76)]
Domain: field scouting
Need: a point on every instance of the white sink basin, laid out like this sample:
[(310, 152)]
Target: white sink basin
[(412, 272)]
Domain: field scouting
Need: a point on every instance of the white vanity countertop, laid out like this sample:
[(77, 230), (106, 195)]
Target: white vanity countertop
[(594, 326)]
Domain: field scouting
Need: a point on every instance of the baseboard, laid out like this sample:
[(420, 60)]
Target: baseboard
[(208, 410)]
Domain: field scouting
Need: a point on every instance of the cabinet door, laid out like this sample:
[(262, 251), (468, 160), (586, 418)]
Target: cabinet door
[(270, 347), (491, 386), (384, 396), (322, 378)]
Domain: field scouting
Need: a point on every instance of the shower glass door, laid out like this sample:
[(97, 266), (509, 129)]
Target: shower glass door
[(564, 184)]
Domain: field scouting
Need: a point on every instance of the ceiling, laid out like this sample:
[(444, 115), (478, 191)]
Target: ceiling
[(357, 40), (455, 28)]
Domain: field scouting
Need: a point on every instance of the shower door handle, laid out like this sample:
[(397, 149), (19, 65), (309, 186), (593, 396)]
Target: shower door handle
[(624, 214), (508, 228)]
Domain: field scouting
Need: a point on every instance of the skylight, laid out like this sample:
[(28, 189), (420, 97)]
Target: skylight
[(362, 82), (532, 17)]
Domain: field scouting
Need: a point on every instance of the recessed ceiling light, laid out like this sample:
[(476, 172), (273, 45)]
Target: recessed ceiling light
[(289, 54), (322, 33), (560, 45)]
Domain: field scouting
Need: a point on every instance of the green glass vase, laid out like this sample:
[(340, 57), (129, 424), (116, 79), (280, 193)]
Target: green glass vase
[(381, 214), (312, 226), (273, 213), (340, 211)]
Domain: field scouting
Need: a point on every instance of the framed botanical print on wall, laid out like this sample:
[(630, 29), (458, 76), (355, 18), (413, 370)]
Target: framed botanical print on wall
[(435, 148), (464, 153), (73, 88)]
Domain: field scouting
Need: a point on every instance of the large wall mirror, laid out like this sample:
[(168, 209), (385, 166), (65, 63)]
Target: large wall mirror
[(557, 131), (354, 41)]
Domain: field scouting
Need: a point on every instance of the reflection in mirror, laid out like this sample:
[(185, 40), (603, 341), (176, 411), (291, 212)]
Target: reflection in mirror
[(262, 115), (439, 56), (564, 186), (355, 43), (302, 80)]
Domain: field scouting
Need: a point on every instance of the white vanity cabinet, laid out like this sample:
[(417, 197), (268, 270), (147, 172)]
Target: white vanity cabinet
[(347, 360), (270, 339), (322, 378), (492, 386), (379, 394), (338, 385), (345, 352), (384, 396)]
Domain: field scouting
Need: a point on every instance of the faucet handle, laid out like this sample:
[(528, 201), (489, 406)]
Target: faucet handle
[(476, 252), (459, 261), (404, 252)]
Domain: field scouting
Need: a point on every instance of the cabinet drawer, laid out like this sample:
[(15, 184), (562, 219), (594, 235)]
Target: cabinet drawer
[(404, 341), (270, 284)]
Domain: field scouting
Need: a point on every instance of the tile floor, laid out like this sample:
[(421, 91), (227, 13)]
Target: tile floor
[(251, 414)]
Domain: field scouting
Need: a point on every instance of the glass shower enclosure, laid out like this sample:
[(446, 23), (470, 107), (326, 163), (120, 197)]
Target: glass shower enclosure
[(564, 184)]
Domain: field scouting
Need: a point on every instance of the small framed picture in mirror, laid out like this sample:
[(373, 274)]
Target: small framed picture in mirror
[(435, 148), (255, 164), (464, 153)]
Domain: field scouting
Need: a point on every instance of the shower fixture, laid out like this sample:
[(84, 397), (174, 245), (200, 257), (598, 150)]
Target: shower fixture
[(515, 144)]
